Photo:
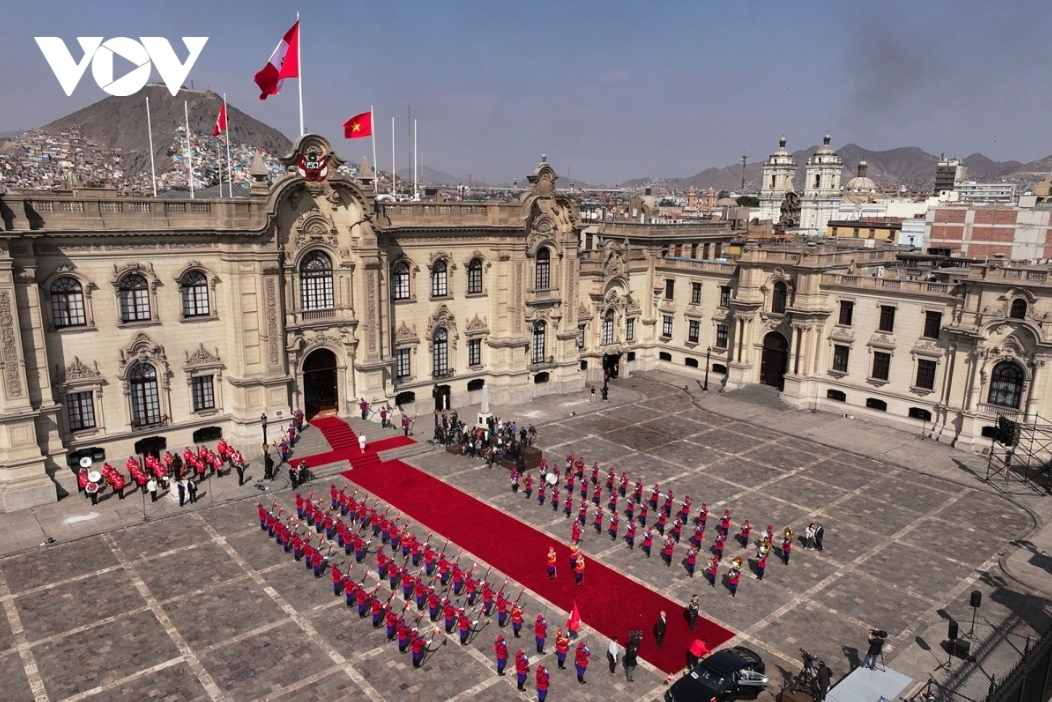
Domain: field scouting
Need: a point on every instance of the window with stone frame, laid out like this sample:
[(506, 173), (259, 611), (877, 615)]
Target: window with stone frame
[(666, 325), (925, 374), (630, 329), (134, 294), (400, 281), (841, 354), (203, 392), (722, 334), (194, 288), (693, 331), (145, 398), (316, 282), (475, 276), (439, 279), (543, 269), (474, 352), (608, 327), (881, 365), (80, 410), (67, 303), (403, 368)]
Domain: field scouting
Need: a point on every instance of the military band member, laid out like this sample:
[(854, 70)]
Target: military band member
[(581, 661), (720, 542), (630, 535), (562, 647), (540, 632), (622, 489), (660, 526), (500, 650), (597, 522), (668, 551), (542, 493), (655, 492), (714, 569), (578, 569), (703, 516), (552, 558), (643, 515), (516, 619), (614, 519), (735, 575), (684, 510), (568, 503), (761, 564), (555, 498), (527, 485), (648, 541), (692, 560), (725, 522), (787, 544), (637, 494)]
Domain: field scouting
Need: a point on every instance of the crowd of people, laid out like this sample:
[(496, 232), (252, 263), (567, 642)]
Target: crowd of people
[(668, 528), (498, 441), (451, 595)]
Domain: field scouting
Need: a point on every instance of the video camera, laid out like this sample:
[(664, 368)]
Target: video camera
[(879, 633), (808, 658)]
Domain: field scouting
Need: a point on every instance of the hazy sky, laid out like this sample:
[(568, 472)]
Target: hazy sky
[(608, 90)]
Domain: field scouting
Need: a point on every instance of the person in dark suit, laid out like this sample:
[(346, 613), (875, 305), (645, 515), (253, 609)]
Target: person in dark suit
[(822, 681), (660, 626), (820, 533)]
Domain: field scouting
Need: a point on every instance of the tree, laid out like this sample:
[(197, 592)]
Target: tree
[(748, 201)]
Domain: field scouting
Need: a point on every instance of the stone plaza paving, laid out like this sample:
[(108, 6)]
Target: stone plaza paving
[(200, 605)]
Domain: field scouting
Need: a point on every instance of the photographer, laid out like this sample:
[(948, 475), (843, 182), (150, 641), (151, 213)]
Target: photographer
[(876, 645)]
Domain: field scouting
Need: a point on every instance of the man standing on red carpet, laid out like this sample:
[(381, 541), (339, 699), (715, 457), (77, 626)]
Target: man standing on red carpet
[(552, 558), (578, 569)]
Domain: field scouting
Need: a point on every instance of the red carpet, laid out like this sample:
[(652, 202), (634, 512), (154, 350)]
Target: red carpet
[(608, 601)]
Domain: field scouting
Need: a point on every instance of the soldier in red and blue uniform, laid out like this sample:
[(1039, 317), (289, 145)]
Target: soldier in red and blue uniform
[(429, 560), (637, 494), (540, 633), (660, 526), (692, 560), (391, 621), (527, 485), (555, 498), (449, 615), (598, 521), (522, 669), (568, 503), (418, 646), (394, 574), (433, 602), (581, 661), (487, 598), (613, 526), (703, 516), (761, 564), (407, 584), (746, 530), (500, 650), (718, 546), (622, 489), (361, 598), (403, 636), (725, 523), (542, 493), (630, 535), (668, 551), (377, 610), (684, 510), (363, 407), (337, 580), (654, 494), (610, 480), (677, 529), (648, 541)]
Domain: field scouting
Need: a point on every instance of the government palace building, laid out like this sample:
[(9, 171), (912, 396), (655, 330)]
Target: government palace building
[(131, 324)]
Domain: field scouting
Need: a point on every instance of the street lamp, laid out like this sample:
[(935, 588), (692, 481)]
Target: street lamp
[(263, 419), (708, 355)]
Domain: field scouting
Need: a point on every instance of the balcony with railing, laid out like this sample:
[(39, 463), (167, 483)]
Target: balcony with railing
[(328, 315), (440, 373), (544, 296), (542, 362), (148, 423)]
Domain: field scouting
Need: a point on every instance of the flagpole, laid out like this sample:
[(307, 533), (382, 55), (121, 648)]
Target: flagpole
[(416, 180), (372, 131), (299, 68), (229, 169), (394, 171), (189, 154), (149, 128)]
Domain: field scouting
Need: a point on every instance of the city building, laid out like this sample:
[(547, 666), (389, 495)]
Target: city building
[(822, 195), (1017, 232), (948, 173), (131, 324), (985, 193)]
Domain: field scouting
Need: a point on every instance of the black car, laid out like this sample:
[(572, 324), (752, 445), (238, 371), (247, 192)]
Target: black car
[(731, 674)]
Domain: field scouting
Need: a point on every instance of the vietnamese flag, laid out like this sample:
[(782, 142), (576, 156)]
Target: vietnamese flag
[(284, 63), (358, 126), (220, 125)]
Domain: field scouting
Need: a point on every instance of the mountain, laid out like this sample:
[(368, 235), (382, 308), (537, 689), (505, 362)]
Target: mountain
[(906, 166), (433, 177), (120, 122)]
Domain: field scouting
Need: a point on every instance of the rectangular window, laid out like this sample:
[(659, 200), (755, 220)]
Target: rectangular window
[(670, 289), (580, 337), (666, 326), (847, 308), (630, 329), (725, 296), (926, 374), (402, 363), (693, 331), (932, 324), (474, 352), (887, 318), (204, 393), (80, 411), (881, 365), (721, 336), (695, 293), (840, 355)]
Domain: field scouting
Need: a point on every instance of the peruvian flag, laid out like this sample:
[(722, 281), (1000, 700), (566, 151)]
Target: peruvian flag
[(574, 622), (220, 125), (284, 63)]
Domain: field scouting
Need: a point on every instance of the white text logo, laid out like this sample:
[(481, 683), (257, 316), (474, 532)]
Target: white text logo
[(152, 51)]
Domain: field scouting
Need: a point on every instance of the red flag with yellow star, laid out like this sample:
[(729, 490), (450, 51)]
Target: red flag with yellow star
[(358, 126)]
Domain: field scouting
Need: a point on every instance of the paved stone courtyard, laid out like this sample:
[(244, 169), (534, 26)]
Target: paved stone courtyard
[(201, 606)]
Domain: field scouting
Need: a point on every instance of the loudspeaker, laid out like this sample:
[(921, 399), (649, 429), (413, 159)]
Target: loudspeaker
[(977, 598), (952, 635), (960, 648)]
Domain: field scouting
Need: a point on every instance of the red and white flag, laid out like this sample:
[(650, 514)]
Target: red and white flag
[(220, 125), (283, 63)]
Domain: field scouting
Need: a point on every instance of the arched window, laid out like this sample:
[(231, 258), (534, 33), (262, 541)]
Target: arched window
[(1018, 310), (316, 281), (146, 404), (438, 279), (135, 298), (194, 286), (400, 281), (543, 278), (778, 298), (67, 303), (540, 330), (475, 276), (1006, 385), (608, 327), (440, 351)]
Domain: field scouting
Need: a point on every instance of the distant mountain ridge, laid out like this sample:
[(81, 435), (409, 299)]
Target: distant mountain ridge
[(907, 166), (120, 122)]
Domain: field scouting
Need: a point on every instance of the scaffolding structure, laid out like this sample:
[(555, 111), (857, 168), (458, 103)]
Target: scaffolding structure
[(1021, 451)]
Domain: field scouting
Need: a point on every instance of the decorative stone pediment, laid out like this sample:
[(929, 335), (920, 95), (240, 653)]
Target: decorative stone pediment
[(583, 312), (927, 348), (142, 350), (313, 227), (615, 264), (77, 370), (882, 341), (477, 325), (144, 270), (442, 318), (842, 335), (406, 335), (202, 357)]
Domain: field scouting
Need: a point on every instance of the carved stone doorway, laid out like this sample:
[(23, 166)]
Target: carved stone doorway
[(321, 393), (775, 361)]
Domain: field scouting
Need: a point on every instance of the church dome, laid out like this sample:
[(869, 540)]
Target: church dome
[(726, 202), (861, 183), (825, 148), (782, 151)]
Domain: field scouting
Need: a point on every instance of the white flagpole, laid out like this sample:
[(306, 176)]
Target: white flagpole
[(415, 178), (229, 169), (299, 65), (149, 128), (372, 130), (189, 155), (394, 171)]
